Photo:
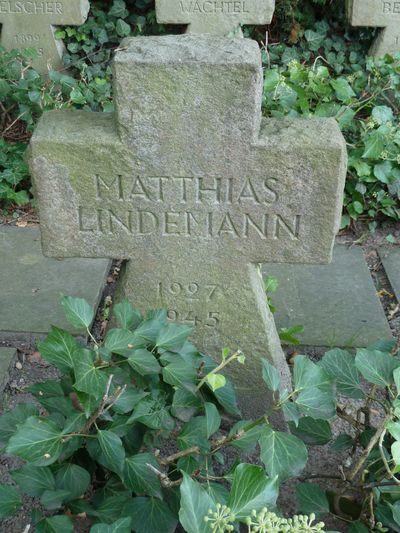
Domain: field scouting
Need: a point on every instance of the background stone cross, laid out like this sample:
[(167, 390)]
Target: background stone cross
[(29, 24), (189, 184), (382, 14), (219, 17)]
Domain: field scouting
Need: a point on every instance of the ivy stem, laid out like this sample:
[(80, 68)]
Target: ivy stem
[(372, 443), (91, 336), (384, 460), (217, 369)]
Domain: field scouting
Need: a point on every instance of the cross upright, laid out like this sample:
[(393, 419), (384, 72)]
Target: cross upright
[(382, 14), (218, 17), (189, 184), (30, 24)]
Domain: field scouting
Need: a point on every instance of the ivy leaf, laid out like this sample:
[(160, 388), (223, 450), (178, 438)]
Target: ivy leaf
[(89, 378), (213, 419), (129, 399), (55, 524), (34, 480), (173, 336), (185, 405), (144, 362), (127, 317), (38, 441), (195, 504), (122, 28), (58, 349), (78, 312), (342, 442), (341, 366), (343, 89), (54, 499), (312, 499), (120, 526), (382, 114), (270, 376), (226, 397), (151, 515), (138, 476), (384, 171), (12, 419), (315, 389), (113, 507), (113, 451), (194, 433), (248, 439), (376, 367), (374, 145), (119, 341), (251, 490), (10, 501), (74, 479), (180, 374), (283, 455), (216, 381), (312, 431)]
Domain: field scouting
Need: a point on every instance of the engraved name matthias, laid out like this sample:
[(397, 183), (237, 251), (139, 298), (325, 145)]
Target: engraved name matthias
[(188, 206)]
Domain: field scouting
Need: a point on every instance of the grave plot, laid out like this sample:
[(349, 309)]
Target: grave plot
[(380, 14), (189, 185), (30, 24)]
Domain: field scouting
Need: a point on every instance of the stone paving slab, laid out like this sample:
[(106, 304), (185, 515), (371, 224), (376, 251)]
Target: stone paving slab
[(337, 304), (31, 285), (7, 356), (391, 262)]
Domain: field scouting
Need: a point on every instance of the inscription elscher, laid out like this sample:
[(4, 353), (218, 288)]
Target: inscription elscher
[(189, 206), (34, 7)]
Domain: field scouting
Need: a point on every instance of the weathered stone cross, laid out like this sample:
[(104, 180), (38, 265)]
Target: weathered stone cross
[(382, 14), (219, 17), (29, 24), (189, 184)]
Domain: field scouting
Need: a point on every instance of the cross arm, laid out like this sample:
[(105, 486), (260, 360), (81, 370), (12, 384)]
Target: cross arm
[(304, 163), (372, 13), (68, 150)]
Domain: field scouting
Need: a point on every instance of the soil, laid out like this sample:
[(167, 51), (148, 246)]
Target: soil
[(322, 461)]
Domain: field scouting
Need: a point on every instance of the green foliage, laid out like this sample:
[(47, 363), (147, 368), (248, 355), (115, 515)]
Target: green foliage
[(96, 447), (326, 76)]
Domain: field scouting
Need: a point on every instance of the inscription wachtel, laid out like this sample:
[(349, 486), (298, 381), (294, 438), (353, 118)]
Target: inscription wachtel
[(202, 207), (30, 7), (214, 6)]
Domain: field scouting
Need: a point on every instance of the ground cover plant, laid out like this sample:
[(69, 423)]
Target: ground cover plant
[(314, 65), (133, 434)]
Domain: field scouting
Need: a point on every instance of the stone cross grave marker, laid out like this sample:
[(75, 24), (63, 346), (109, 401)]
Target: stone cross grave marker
[(218, 17), (30, 24), (189, 184), (382, 14)]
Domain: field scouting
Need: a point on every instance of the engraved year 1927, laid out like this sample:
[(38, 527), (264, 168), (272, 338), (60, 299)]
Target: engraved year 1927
[(189, 291)]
